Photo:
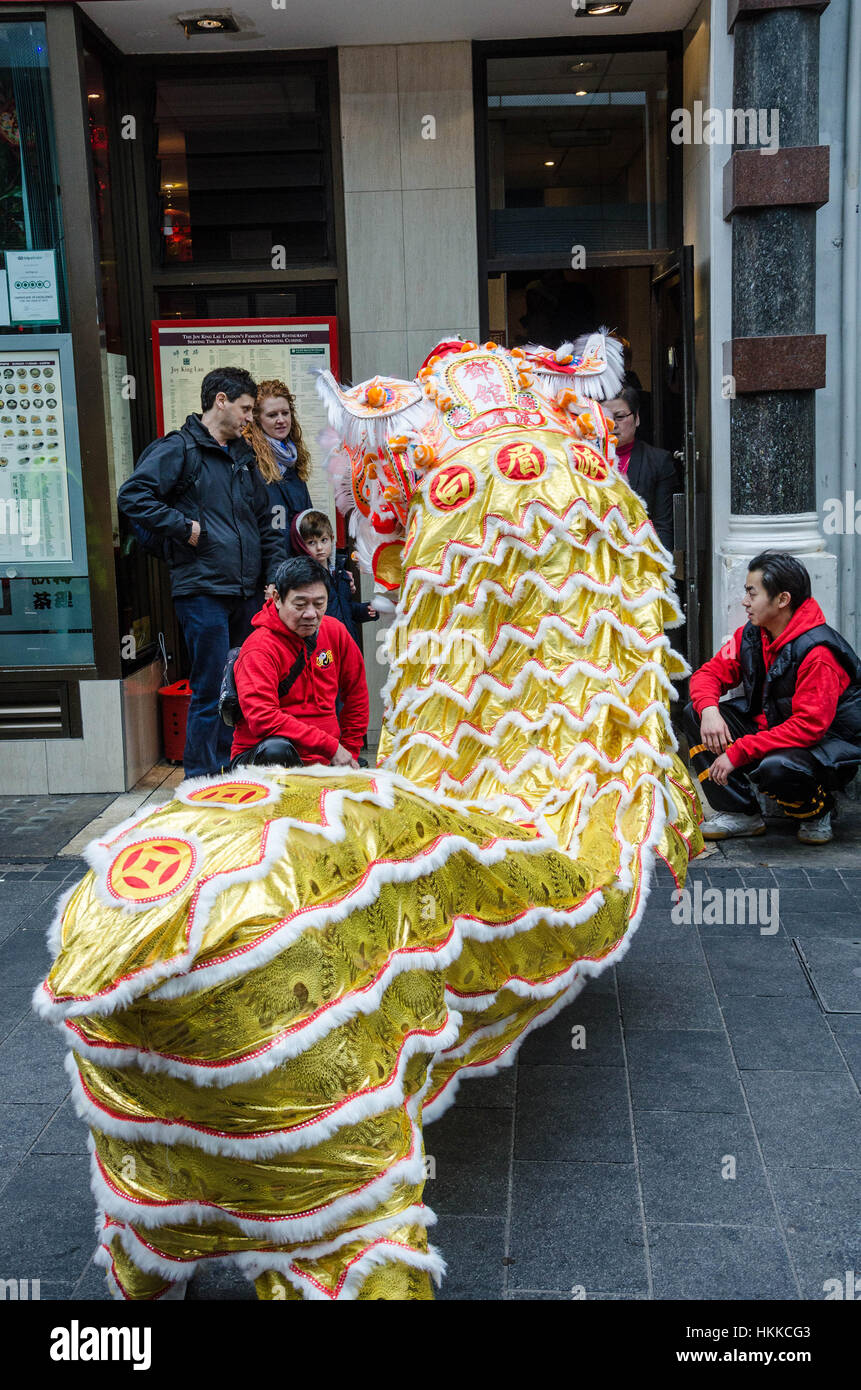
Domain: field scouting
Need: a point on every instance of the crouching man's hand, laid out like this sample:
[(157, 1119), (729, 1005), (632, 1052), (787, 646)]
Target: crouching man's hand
[(721, 769), (343, 758), (713, 728)]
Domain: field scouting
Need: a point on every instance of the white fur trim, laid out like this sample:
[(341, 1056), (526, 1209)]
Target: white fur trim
[(630, 638), (490, 738), (359, 1002), (579, 580), (253, 1263), (287, 1229), (438, 1106), (414, 696), (378, 789), (318, 918), (502, 534), (604, 385), (364, 1105), (101, 858), (371, 431), (251, 776)]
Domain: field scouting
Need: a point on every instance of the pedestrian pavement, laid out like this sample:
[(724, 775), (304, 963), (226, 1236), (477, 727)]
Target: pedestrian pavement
[(688, 1128)]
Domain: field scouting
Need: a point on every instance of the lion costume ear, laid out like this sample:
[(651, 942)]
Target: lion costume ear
[(600, 368), (367, 415)]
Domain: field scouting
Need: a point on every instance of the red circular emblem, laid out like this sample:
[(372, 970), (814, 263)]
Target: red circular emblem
[(521, 463), (151, 869), (229, 794), (589, 461), (324, 658), (452, 486)]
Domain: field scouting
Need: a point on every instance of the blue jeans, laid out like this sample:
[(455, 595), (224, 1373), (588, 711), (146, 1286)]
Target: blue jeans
[(211, 625)]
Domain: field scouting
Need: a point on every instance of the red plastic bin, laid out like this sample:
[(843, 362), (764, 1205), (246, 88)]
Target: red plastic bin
[(175, 700)]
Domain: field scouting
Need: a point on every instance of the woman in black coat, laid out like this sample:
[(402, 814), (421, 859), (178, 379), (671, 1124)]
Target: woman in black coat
[(275, 435)]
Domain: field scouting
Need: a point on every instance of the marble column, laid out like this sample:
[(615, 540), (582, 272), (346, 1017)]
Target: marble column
[(775, 358)]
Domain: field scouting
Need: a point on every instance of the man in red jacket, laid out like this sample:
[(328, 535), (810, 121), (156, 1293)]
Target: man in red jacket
[(290, 673), (795, 731)]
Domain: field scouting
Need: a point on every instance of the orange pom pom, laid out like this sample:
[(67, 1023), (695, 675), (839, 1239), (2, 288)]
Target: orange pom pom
[(424, 455), (489, 347), (518, 353), (398, 443), (376, 396), (445, 402), (566, 398)]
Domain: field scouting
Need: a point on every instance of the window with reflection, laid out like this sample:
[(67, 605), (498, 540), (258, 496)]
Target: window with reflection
[(45, 608), (243, 169), (577, 153)]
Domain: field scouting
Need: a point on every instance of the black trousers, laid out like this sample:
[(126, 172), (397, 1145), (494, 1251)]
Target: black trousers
[(793, 777), (270, 752)]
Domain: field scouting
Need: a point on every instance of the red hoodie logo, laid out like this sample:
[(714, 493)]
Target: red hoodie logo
[(324, 658)]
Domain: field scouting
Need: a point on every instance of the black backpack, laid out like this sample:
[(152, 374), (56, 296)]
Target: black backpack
[(188, 479), (228, 700)]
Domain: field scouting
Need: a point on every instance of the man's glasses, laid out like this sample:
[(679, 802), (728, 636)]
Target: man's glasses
[(620, 418)]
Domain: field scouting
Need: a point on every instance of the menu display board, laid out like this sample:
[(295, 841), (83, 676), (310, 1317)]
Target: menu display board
[(35, 522), (282, 349)]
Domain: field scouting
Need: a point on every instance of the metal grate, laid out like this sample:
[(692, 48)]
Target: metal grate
[(49, 710)]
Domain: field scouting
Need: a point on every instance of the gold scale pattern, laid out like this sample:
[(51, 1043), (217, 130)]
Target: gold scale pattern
[(264, 999)]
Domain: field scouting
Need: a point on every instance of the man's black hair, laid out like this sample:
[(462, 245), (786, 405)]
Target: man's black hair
[(297, 573), (233, 381), (782, 573)]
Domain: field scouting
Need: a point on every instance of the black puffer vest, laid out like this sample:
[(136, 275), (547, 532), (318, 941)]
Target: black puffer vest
[(770, 692)]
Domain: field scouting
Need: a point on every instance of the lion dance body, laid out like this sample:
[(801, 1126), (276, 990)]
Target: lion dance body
[(268, 984)]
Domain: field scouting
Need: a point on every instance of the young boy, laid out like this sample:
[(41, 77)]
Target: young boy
[(312, 534)]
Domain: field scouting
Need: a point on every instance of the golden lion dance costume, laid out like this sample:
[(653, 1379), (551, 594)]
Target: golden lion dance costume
[(270, 982)]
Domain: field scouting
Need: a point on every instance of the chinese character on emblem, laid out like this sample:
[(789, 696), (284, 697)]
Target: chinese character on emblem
[(521, 463), (452, 487), (590, 462)]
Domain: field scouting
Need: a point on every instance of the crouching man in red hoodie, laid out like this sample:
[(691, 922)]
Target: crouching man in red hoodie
[(795, 731), (289, 674)]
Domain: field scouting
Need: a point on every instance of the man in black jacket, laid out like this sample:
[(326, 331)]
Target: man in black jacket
[(650, 472), (199, 489)]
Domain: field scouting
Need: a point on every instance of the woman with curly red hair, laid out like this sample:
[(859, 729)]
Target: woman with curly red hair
[(275, 435)]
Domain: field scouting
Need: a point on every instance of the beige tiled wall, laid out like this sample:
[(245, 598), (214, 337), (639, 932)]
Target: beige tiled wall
[(412, 254)]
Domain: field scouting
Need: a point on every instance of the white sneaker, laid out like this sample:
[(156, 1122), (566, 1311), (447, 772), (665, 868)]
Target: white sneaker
[(729, 823), (817, 831)]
